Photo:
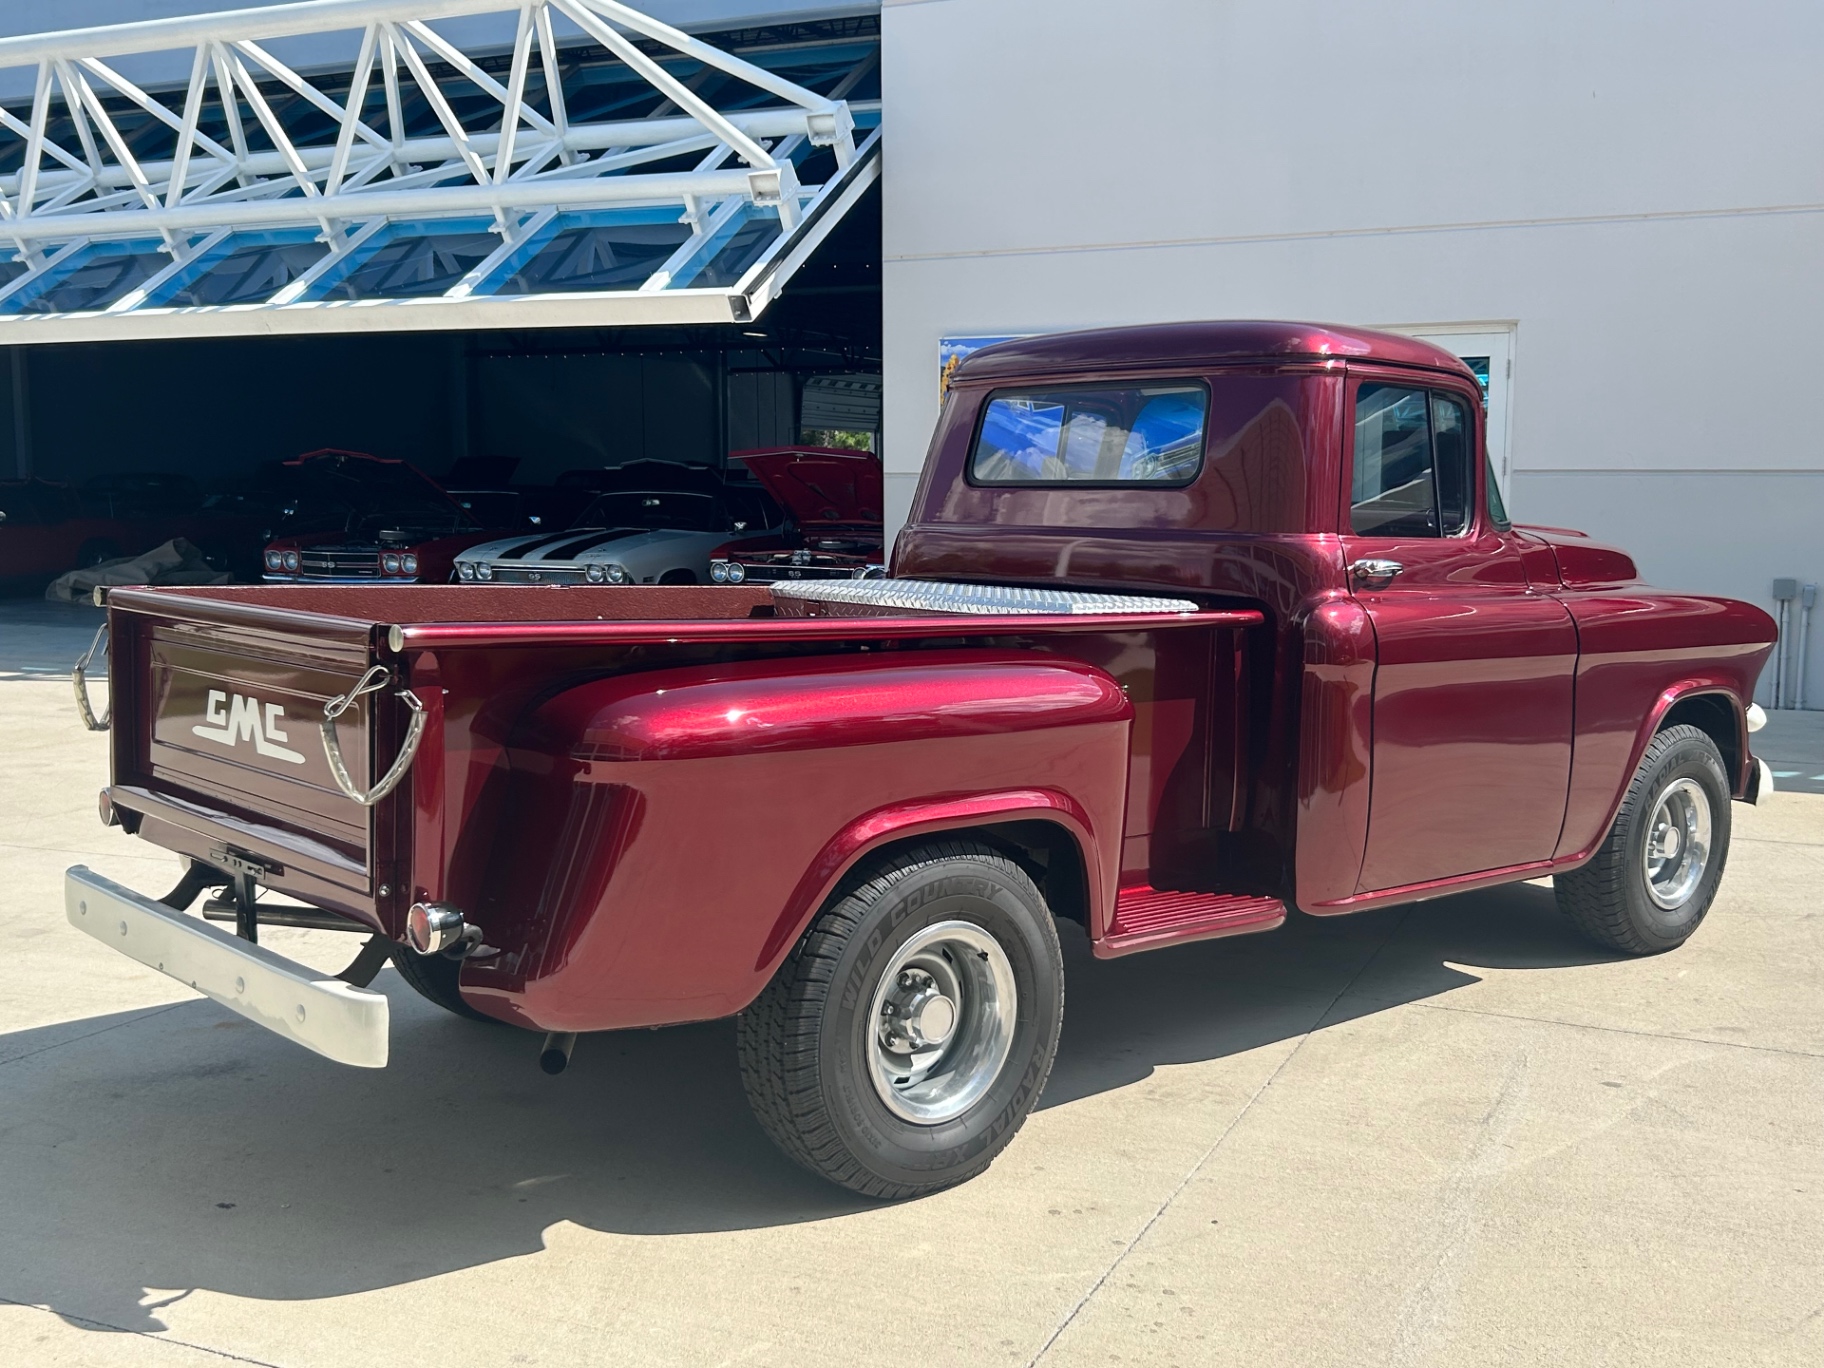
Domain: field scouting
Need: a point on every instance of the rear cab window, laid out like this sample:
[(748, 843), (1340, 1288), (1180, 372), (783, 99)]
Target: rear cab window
[(1147, 434)]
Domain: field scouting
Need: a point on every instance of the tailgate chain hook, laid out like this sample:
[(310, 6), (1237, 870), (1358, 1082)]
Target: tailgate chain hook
[(80, 678), (371, 682)]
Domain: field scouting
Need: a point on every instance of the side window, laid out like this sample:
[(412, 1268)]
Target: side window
[(1392, 493), (1451, 435), (1413, 475), (1497, 506), (1142, 434)]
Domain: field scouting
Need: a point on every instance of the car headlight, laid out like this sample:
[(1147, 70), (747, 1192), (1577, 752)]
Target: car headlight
[(390, 563), (291, 560), (408, 564), (617, 574), (718, 571), (736, 572), (274, 561), (465, 570), (484, 571), (594, 574)]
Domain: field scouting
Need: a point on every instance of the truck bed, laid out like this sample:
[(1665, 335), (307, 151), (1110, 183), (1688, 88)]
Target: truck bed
[(478, 658)]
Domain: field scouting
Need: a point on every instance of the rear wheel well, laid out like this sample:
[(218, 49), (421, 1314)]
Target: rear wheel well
[(1714, 715), (1047, 852)]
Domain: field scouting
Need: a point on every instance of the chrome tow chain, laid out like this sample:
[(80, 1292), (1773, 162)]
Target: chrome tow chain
[(372, 682), (80, 677)]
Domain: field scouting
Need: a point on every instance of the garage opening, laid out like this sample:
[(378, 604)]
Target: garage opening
[(520, 249)]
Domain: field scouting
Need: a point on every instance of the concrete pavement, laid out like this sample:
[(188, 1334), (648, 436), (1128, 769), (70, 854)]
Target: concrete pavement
[(1792, 744), (1451, 1134)]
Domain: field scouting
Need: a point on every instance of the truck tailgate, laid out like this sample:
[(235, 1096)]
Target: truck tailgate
[(217, 734)]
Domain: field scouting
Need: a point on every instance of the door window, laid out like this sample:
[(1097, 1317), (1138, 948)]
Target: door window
[(1414, 469), (1451, 435), (1497, 507)]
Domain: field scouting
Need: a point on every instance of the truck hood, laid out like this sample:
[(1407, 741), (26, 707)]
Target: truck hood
[(1582, 563), (820, 487), (641, 551)]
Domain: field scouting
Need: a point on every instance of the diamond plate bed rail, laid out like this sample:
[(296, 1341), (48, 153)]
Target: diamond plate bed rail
[(868, 597)]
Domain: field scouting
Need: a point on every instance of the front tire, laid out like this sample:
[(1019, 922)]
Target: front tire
[(909, 1033), (1656, 875)]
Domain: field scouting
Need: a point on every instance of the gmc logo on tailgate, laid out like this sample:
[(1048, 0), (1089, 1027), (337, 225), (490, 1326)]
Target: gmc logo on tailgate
[(231, 722)]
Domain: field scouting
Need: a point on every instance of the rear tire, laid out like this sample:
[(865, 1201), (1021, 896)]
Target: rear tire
[(909, 1033), (1656, 874), (434, 977)]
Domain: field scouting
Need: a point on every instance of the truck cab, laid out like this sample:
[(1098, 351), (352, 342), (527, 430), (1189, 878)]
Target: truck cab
[(1440, 699)]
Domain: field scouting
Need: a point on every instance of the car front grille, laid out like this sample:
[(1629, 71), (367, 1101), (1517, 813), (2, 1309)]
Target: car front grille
[(776, 573), (520, 574), (341, 563)]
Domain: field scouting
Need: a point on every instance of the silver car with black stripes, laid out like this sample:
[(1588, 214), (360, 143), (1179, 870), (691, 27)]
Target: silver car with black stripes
[(633, 536)]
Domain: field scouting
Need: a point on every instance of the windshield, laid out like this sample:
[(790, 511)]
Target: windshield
[(417, 518), (366, 497)]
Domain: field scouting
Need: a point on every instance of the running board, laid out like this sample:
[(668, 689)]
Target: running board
[(1147, 918)]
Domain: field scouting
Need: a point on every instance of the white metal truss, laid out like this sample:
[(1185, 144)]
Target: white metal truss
[(260, 196)]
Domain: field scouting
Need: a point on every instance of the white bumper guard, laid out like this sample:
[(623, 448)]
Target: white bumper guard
[(317, 1010)]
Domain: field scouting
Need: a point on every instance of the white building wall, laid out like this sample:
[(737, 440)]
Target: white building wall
[(1635, 188)]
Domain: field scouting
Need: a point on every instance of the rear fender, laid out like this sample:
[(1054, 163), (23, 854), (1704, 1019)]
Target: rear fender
[(671, 833), (929, 817)]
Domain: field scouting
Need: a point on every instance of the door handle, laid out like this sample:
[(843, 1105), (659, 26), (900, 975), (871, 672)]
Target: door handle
[(1375, 573)]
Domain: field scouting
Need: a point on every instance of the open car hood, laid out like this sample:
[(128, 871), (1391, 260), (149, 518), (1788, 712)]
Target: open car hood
[(820, 486)]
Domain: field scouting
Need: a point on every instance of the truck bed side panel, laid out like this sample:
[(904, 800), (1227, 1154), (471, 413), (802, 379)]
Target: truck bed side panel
[(657, 824)]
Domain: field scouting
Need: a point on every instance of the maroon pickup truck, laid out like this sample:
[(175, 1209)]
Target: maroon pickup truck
[(1191, 626)]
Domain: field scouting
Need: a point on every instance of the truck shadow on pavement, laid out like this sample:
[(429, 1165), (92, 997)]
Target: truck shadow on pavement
[(177, 1148)]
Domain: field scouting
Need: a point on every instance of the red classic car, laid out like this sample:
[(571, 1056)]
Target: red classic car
[(833, 498), (47, 527), (1192, 628), (381, 520)]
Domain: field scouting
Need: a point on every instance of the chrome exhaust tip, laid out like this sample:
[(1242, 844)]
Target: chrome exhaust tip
[(554, 1057)]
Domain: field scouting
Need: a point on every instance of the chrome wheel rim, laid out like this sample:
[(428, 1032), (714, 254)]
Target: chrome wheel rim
[(1678, 844), (941, 1024)]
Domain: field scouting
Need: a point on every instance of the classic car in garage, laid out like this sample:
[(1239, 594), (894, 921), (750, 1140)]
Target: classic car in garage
[(660, 524), (832, 499), (376, 520), (48, 527)]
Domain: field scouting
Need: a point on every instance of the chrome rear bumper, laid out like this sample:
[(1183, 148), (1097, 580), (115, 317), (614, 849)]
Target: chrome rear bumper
[(319, 1012)]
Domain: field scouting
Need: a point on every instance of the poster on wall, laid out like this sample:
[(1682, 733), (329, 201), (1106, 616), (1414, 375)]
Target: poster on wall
[(951, 351)]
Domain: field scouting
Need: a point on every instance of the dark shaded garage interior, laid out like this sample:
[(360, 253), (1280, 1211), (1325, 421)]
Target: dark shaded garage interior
[(216, 409)]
